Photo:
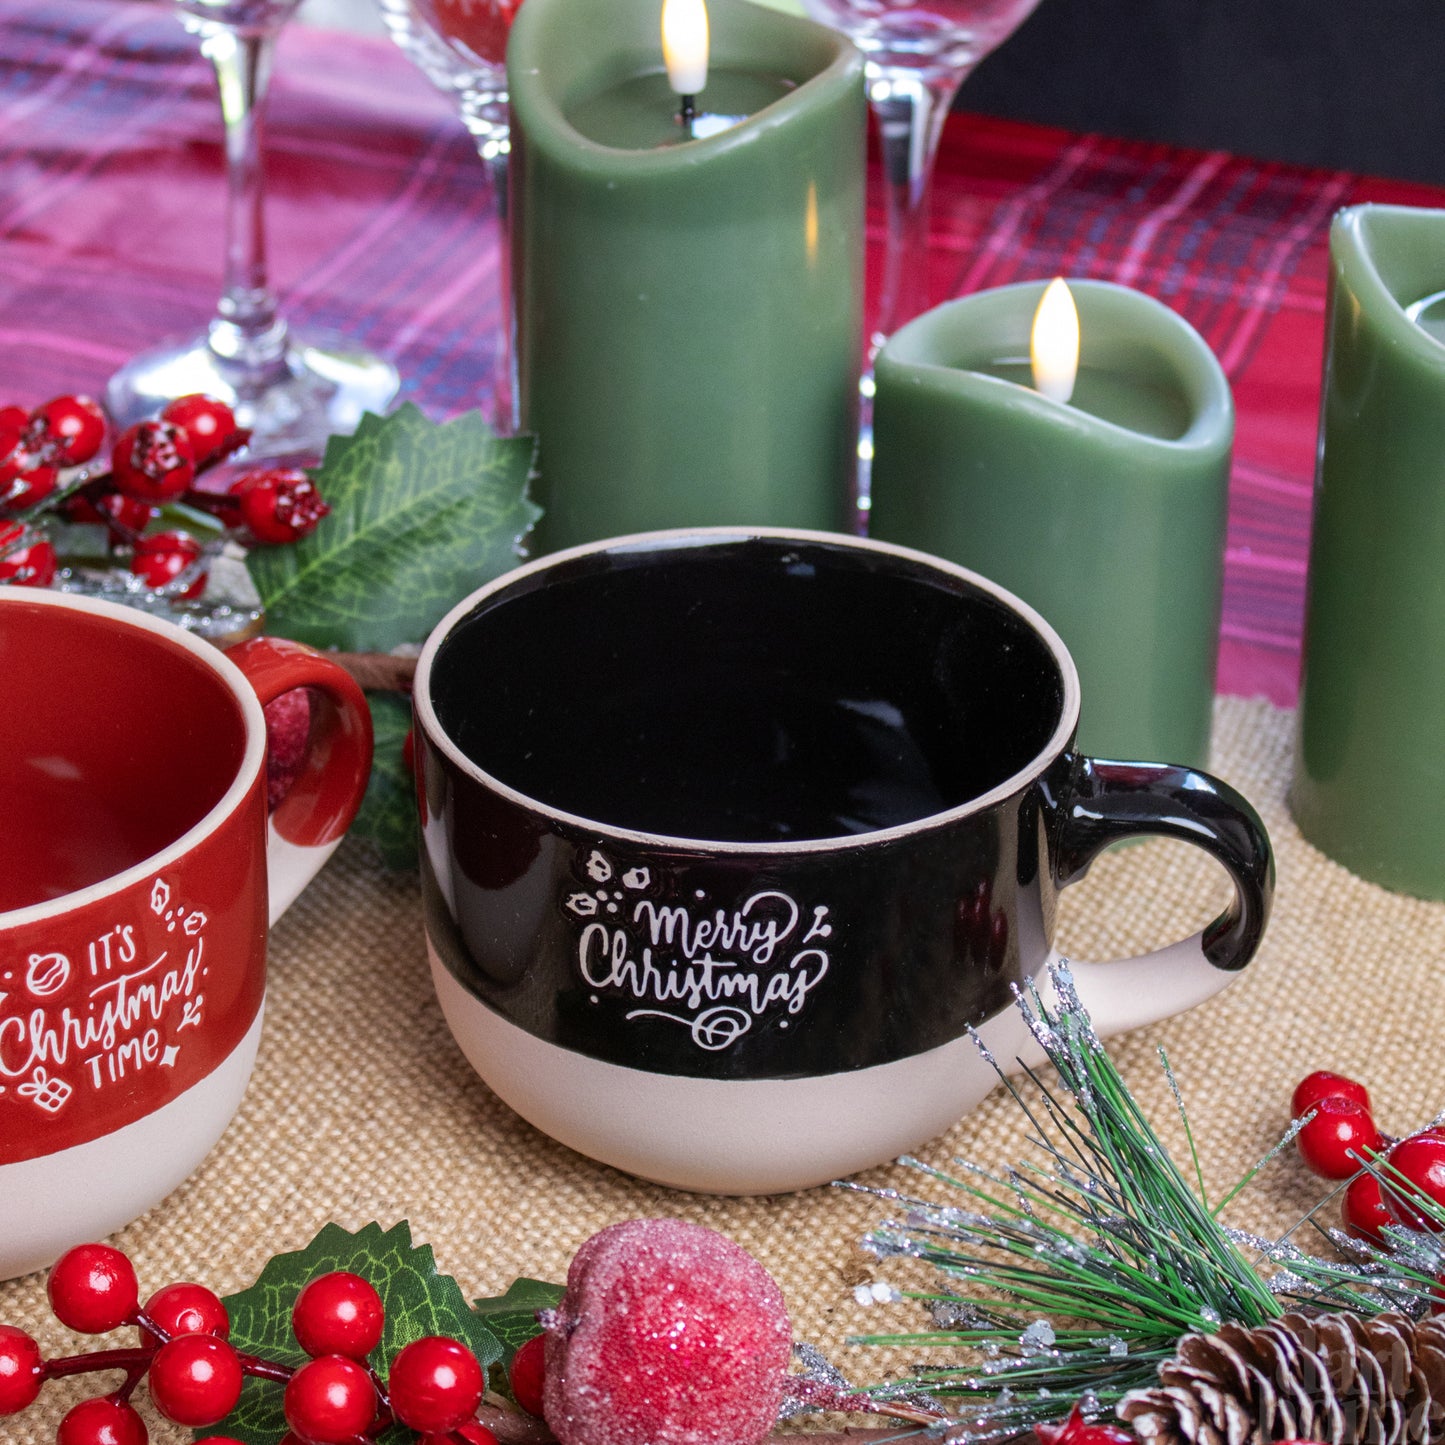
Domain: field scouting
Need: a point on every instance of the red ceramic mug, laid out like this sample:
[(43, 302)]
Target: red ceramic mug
[(138, 873)]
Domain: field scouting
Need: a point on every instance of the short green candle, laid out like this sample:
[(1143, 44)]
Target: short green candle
[(688, 309), (1107, 513), (1369, 776)]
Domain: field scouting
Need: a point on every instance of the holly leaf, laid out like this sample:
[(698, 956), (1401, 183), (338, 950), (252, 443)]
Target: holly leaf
[(388, 811), (418, 1301), (421, 514), (512, 1317)]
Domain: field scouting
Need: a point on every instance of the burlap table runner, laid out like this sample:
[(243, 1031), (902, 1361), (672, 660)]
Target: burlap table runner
[(361, 1107)]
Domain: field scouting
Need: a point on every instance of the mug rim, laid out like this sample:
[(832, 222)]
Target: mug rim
[(245, 778), (683, 538)]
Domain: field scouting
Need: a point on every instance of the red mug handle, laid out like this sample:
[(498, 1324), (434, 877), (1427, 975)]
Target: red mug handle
[(309, 821)]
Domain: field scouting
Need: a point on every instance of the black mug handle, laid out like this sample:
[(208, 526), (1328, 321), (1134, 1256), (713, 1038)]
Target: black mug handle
[(1103, 802)]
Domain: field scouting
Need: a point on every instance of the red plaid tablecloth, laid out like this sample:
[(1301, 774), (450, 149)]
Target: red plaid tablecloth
[(380, 227)]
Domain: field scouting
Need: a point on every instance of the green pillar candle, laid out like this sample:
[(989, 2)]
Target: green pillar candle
[(688, 310), (1107, 513), (1369, 777)]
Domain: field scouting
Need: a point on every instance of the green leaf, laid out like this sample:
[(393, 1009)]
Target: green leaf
[(388, 811), (421, 514), (512, 1317), (418, 1301)]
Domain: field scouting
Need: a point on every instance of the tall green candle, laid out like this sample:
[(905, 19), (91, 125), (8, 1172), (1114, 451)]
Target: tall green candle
[(1369, 777), (688, 301), (1106, 512)]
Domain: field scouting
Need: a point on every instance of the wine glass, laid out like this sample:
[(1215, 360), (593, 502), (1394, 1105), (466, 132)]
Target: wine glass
[(916, 54), (461, 47), (292, 391)]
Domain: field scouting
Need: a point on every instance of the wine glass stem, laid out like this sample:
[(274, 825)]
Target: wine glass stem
[(247, 334), (910, 108)]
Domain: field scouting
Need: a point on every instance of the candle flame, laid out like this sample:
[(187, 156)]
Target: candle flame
[(1054, 342), (685, 45)]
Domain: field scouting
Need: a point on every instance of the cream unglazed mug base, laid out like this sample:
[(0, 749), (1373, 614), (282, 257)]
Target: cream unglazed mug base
[(138, 873)]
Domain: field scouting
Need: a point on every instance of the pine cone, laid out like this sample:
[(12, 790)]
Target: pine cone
[(1336, 1378)]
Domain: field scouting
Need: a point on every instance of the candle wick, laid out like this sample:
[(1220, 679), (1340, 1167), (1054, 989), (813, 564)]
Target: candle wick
[(687, 112)]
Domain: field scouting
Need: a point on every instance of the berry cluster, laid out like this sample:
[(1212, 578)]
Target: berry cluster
[(1340, 1137), (48, 467), (433, 1386)]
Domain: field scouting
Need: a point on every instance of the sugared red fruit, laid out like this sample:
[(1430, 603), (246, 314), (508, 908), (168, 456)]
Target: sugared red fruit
[(188, 1309), (1334, 1143), (1363, 1211), (153, 462), (1421, 1160), (527, 1373), (102, 1421), (26, 558), (278, 504), (195, 1380), (1078, 1431), (71, 428), (92, 1288), (20, 1377), (434, 1384), (127, 517), (338, 1314), (1322, 1084), (158, 560), (209, 424), (668, 1334), (330, 1401)]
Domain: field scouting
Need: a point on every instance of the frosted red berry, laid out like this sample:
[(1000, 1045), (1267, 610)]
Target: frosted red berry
[(127, 517), (1322, 1084), (434, 1384), (278, 504), (1421, 1160), (195, 1380), (527, 1373), (102, 1421), (153, 461), (1337, 1140), (474, 1433), (26, 558), (13, 418), (1363, 1211), (24, 480), (329, 1401), (338, 1314), (210, 425), (68, 429), (20, 1376), (159, 559), (668, 1334), (92, 1288), (1078, 1431), (188, 1309)]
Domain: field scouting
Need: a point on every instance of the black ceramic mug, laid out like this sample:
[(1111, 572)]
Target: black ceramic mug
[(730, 836)]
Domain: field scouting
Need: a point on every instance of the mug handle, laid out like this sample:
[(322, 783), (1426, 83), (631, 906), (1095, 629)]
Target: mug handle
[(1105, 802), (309, 821)]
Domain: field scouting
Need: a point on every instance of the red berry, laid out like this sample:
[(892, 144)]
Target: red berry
[(338, 1314), (1421, 1160), (279, 504), (69, 429), (527, 1372), (210, 425), (26, 558), (93, 1289), (435, 1383), (13, 418), (474, 1433), (20, 1377), (668, 1334), (102, 1421), (161, 558), (1324, 1085), (195, 1380), (330, 1400), (1363, 1211), (127, 517), (153, 461), (29, 481), (1335, 1141), (1078, 1431), (188, 1309)]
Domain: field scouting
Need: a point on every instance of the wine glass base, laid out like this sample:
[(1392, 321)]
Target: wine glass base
[(321, 387)]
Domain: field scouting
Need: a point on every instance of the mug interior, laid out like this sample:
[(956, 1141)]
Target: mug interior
[(117, 742), (752, 689)]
